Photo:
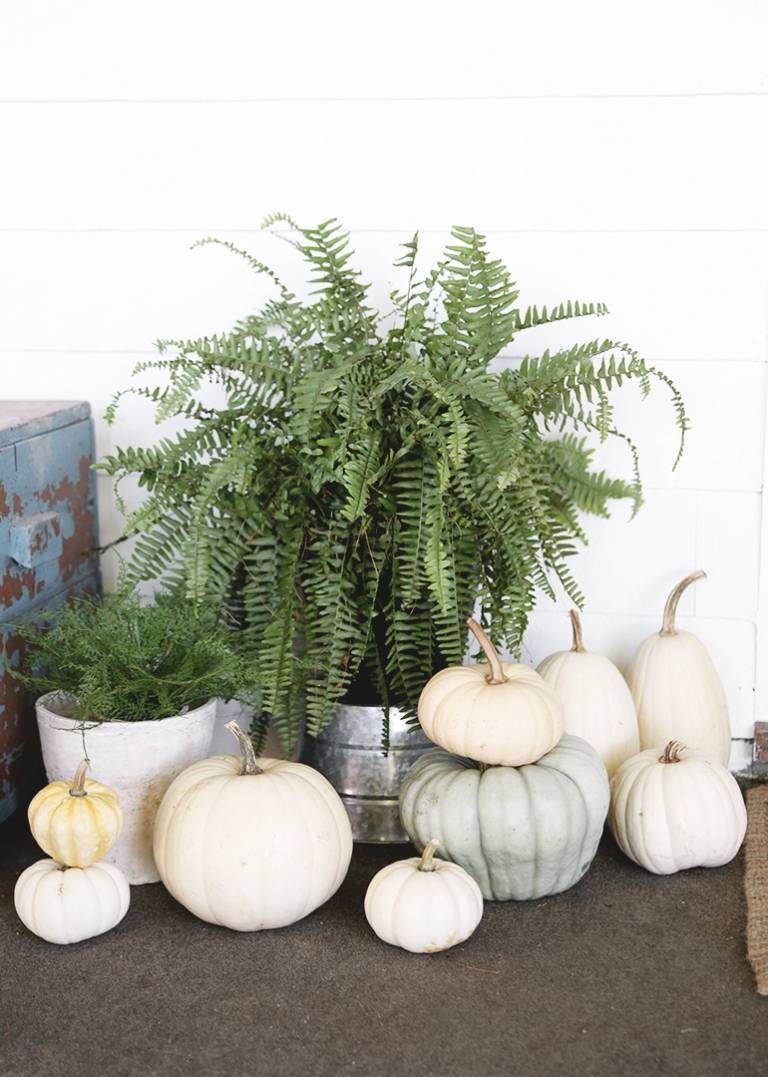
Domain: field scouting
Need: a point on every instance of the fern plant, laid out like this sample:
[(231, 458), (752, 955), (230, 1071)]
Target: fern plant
[(371, 479)]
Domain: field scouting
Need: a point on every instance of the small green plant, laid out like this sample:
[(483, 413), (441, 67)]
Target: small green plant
[(125, 659), (371, 479)]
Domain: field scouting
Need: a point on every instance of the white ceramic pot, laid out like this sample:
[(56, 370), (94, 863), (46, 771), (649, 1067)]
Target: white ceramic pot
[(139, 760)]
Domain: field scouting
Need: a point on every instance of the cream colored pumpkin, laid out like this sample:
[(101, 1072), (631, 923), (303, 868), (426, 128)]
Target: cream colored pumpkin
[(64, 905), (422, 904), (677, 691), (251, 844), (676, 808), (76, 822), (502, 713), (598, 704)]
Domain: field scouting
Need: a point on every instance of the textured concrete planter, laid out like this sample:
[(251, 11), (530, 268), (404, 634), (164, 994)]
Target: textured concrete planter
[(139, 760)]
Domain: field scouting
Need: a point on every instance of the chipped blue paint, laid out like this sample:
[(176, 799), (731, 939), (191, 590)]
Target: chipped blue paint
[(47, 522)]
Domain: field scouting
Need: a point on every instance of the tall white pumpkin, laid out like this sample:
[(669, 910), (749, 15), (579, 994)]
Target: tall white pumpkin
[(598, 704), (677, 690)]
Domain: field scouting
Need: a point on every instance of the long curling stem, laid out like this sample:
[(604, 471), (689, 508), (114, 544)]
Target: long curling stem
[(668, 625), (250, 766), (578, 641), (496, 675)]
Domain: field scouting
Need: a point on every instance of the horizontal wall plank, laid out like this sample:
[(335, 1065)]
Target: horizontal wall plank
[(160, 48), (671, 297), (728, 540), (725, 403), (540, 164)]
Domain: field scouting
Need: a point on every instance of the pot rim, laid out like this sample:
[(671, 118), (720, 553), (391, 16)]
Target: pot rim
[(52, 703)]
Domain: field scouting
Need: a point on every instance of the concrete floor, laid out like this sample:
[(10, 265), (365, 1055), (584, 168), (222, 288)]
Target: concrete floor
[(625, 975)]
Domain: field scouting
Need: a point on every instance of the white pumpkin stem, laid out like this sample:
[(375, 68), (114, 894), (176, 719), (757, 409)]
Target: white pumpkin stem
[(250, 766), (426, 857), (78, 785), (496, 676), (672, 752), (578, 642), (668, 625)]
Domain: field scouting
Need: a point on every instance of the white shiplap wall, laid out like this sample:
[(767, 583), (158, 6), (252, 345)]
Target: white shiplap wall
[(609, 152)]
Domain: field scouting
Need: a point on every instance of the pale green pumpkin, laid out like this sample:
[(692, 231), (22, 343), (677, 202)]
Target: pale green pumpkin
[(520, 832)]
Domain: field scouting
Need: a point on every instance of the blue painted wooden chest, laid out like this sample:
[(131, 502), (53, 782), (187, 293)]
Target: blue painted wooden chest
[(48, 535)]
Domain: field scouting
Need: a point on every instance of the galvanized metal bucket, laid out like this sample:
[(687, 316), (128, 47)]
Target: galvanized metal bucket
[(348, 753)]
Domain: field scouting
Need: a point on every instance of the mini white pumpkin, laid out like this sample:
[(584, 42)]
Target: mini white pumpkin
[(251, 844), (502, 713), (598, 704), (676, 688), (76, 822), (676, 809), (422, 904), (64, 905)]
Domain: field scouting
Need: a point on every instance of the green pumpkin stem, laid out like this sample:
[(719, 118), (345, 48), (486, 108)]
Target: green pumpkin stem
[(672, 752), (78, 785), (668, 624), (496, 676), (250, 766), (578, 642), (426, 857)]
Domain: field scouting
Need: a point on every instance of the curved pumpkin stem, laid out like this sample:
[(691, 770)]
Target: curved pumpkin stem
[(668, 625), (672, 752), (78, 785), (496, 676), (247, 754), (578, 642), (426, 857)]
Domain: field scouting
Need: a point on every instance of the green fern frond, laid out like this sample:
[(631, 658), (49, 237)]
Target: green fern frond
[(369, 480)]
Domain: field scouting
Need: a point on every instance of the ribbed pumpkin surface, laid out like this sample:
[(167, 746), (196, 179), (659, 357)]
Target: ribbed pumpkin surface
[(520, 832), (251, 851)]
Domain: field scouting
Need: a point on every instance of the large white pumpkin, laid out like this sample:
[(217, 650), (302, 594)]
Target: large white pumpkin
[(520, 832), (422, 904), (502, 713), (251, 844), (598, 704), (676, 808), (64, 905), (676, 688)]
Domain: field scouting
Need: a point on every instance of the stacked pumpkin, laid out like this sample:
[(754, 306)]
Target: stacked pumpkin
[(509, 795), (76, 894)]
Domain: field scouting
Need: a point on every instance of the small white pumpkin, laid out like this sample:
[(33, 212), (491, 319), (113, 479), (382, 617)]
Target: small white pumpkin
[(598, 704), (676, 810), (676, 688), (422, 904), (64, 905), (502, 714), (251, 844), (76, 822)]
